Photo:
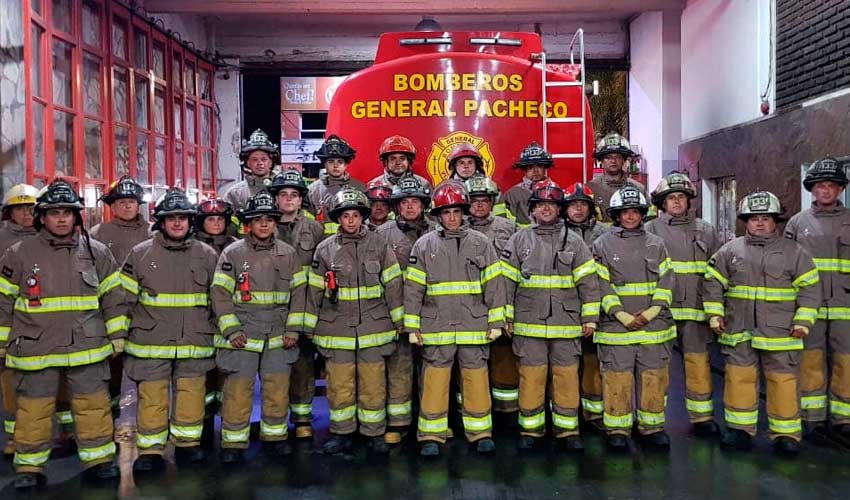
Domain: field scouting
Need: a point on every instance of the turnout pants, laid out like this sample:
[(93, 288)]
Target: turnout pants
[(740, 397), (400, 384), (621, 364), (437, 362), (172, 395), (591, 382), (552, 362), (37, 393), (504, 376), (357, 389), (817, 401), (302, 385), (694, 339), (240, 367)]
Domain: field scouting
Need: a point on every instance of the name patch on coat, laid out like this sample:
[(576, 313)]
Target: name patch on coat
[(412, 260), (7, 272), (226, 266)]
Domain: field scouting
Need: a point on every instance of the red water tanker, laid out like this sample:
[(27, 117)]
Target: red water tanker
[(487, 88)]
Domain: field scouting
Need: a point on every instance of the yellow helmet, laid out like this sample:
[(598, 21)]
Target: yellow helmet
[(20, 194)]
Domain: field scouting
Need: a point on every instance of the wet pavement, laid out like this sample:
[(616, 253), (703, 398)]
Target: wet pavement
[(695, 468)]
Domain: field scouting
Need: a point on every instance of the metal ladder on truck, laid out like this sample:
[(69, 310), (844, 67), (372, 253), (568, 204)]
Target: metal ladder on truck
[(578, 36)]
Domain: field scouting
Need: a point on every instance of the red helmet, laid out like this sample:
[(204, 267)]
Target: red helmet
[(579, 192), (449, 194), (546, 190), (465, 149), (397, 144), (214, 206), (379, 190)]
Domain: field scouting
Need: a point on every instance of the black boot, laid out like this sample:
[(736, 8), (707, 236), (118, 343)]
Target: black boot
[(736, 438), (430, 449), (337, 444), (378, 445), (192, 455), (658, 440), (786, 446), (147, 464), (231, 456), (706, 429), (526, 443), (485, 445), (102, 472), (29, 480), (617, 442), (573, 443), (277, 448), (842, 430)]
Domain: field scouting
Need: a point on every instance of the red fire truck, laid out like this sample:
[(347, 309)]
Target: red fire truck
[(492, 89)]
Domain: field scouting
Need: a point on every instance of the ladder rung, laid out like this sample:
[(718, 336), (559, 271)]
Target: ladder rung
[(568, 155), (563, 84), (563, 120)]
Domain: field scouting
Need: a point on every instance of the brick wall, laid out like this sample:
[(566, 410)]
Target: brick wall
[(812, 48)]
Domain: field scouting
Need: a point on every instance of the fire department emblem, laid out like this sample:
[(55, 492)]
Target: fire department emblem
[(438, 160), (759, 202)]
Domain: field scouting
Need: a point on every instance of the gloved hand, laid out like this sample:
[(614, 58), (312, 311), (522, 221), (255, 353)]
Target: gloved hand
[(799, 331), (494, 333), (238, 340), (509, 328), (625, 318), (718, 324), (117, 346), (587, 329), (415, 337)]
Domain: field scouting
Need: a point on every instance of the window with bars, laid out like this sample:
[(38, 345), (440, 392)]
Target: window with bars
[(111, 95)]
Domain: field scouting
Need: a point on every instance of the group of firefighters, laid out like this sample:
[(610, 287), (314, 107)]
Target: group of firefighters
[(502, 301)]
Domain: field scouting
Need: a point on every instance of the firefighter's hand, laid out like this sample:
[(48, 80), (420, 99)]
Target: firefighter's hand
[(509, 328), (239, 340), (288, 342), (718, 324), (494, 333), (639, 322), (117, 347), (799, 331), (587, 329), (415, 337), (625, 318)]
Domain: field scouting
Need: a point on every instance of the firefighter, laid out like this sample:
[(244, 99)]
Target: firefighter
[(378, 192), (690, 242), (170, 349), (465, 161), (410, 200), (761, 295), (127, 228), (257, 282), (535, 163), (454, 307), (612, 152), (636, 330), (212, 223), (61, 299), (580, 217), (258, 157), (554, 296), (355, 293), (335, 155), (397, 154), (17, 214), (504, 365), (824, 231), (298, 229)]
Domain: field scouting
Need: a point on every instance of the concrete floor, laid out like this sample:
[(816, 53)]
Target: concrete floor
[(694, 468)]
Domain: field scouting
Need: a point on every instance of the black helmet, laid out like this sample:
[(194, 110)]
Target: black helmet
[(207, 208), (124, 188), (58, 194), (627, 196), (409, 187), (348, 198), (259, 141), (288, 179), (533, 155), (335, 147), (258, 205), (174, 202), (826, 169)]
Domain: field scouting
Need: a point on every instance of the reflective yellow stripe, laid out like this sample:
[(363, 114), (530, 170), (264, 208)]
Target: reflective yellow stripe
[(837, 407), (584, 270), (806, 314), (263, 298), (299, 279), (733, 339), (236, 436), (352, 343), (477, 424), (695, 406), (301, 409), (564, 421), (390, 273), (492, 271), (741, 417), (36, 459), (834, 313), (376, 339), (412, 321), (496, 314), (609, 302), (358, 293), (635, 337), (187, 432), (343, 414), (59, 304), (767, 294), (650, 418), (808, 278), (689, 267), (117, 324), (8, 288), (665, 266), (433, 426), (9, 426), (371, 416), (109, 283), (96, 453), (316, 281), (592, 406), (547, 281), (399, 409), (781, 426), (447, 338), (663, 295), (618, 422), (151, 440), (531, 422), (251, 345), (509, 311), (224, 281), (453, 288), (81, 358), (129, 284), (65, 417), (687, 314), (505, 394), (547, 331), (168, 351), (602, 272), (635, 289), (228, 321), (174, 300), (813, 402), (396, 314), (331, 228), (714, 308), (777, 344), (310, 320), (273, 430), (511, 272), (415, 275), (590, 309), (832, 265), (712, 273)]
